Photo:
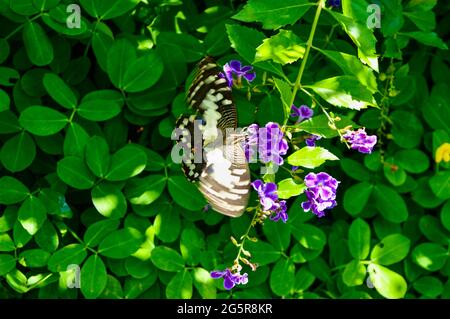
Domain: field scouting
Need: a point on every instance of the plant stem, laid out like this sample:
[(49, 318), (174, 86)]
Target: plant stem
[(245, 236), (309, 43)]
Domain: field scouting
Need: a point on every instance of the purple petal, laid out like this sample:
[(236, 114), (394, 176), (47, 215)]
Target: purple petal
[(246, 69), (306, 112), (250, 76), (217, 274), (306, 206), (235, 65), (228, 283), (310, 180)]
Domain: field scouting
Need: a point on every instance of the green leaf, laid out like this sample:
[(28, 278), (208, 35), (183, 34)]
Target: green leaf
[(319, 125), (354, 273), (350, 65), (425, 21), (12, 190), (359, 239), (273, 14), (245, 41), (7, 263), (127, 162), (362, 37), (109, 200), (440, 185), (121, 55), (98, 110), (99, 230), (355, 170), (413, 161), (46, 237), (121, 243), (427, 38), (429, 286), (390, 250), (282, 277), (430, 256), (37, 44), (263, 253), (285, 92), (287, 188), (75, 141), (93, 277), (139, 268), (356, 197), (204, 283), (433, 230), (144, 191), (390, 204), (278, 234), (192, 47), (143, 73), (421, 5), (32, 214), (309, 236), (9, 123), (407, 129), (4, 50), (18, 152), (8, 76), (393, 173), (74, 172), (180, 286), (445, 215), (59, 91), (4, 101), (42, 120), (8, 218), (6, 243), (108, 10), (185, 194), (282, 48), (216, 41), (34, 258), (344, 91), (388, 283), (167, 259), (311, 157), (270, 110), (303, 280), (135, 287), (97, 156), (68, 255), (102, 41), (17, 281)]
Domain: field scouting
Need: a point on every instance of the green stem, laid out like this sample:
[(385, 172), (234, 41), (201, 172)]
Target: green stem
[(22, 25), (320, 5), (245, 237)]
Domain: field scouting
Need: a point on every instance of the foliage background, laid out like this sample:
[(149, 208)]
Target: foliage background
[(86, 177)]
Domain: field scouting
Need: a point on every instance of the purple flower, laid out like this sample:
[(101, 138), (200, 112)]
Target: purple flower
[(268, 140), (359, 140), (334, 3), (303, 112), (280, 212), (251, 142), (320, 193), (235, 66), (311, 141), (230, 279), (294, 168), (267, 194), (268, 198)]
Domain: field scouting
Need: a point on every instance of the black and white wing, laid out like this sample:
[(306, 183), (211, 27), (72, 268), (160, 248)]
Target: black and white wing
[(223, 176)]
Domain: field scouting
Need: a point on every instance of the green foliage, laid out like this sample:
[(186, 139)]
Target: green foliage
[(86, 177)]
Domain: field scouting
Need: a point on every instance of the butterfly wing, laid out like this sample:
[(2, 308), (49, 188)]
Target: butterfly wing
[(225, 181), (225, 177)]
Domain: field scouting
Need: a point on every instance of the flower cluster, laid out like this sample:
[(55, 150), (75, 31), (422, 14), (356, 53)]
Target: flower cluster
[(269, 141), (268, 198), (230, 279), (320, 193), (301, 113), (235, 67), (334, 3), (359, 140)]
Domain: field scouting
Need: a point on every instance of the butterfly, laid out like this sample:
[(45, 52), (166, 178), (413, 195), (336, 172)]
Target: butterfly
[(214, 157)]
